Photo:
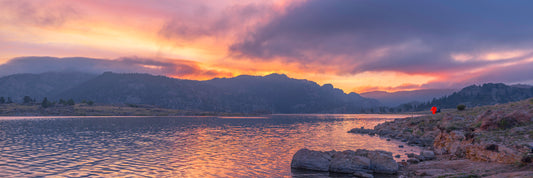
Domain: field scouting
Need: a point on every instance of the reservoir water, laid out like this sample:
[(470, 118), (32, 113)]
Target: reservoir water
[(178, 146)]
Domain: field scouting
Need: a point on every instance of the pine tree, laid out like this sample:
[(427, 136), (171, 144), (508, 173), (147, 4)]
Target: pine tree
[(9, 100), (27, 99), (2, 100), (70, 102), (63, 102), (45, 103)]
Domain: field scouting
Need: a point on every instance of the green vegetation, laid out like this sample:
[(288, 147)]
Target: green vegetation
[(89, 108), (71, 102), (27, 100), (461, 107), (46, 103)]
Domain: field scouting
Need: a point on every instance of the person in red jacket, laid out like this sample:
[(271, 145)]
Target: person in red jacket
[(434, 109)]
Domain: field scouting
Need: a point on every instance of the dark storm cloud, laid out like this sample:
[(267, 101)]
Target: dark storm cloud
[(178, 68), (378, 35), (201, 23)]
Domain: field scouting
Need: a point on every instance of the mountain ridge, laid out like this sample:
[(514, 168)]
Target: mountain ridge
[(401, 97), (274, 93), (480, 95)]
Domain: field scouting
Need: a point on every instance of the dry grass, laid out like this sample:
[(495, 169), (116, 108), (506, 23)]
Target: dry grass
[(96, 110)]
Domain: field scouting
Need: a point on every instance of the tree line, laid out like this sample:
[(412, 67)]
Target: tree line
[(45, 103)]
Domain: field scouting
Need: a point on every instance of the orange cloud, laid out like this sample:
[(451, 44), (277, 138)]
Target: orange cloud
[(311, 40)]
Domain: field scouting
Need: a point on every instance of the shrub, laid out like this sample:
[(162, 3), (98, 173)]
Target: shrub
[(461, 107)]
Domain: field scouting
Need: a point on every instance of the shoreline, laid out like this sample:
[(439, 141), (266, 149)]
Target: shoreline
[(35, 110), (494, 140)]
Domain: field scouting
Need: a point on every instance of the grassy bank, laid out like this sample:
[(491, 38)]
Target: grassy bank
[(82, 109)]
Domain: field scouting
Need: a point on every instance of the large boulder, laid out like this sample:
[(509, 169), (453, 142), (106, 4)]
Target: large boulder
[(349, 162), (362, 161), (382, 162), (312, 160), (427, 154)]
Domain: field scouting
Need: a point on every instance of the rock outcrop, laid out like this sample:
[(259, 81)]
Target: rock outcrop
[(492, 120), (490, 140), (349, 162), (458, 145), (312, 160), (360, 162)]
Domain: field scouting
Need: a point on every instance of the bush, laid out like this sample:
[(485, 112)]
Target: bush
[(461, 107), (70, 102), (46, 103)]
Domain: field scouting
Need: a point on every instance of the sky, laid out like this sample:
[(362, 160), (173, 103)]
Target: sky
[(358, 45)]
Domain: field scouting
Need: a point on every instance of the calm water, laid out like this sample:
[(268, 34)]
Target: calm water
[(177, 146)]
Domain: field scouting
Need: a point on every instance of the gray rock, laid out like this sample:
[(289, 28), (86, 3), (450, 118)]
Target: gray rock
[(414, 141), (427, 154), (346, 162), (429, 172), (349, 162), (362, 130), (413, 161), (311, 160), (363, 175), (410, 155), (383, 162), (420, 157)]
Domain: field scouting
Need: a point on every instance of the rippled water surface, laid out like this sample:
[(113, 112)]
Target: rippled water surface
[(177, 146)]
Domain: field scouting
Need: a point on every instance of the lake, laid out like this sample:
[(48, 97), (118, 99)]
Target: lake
[(179, 146)]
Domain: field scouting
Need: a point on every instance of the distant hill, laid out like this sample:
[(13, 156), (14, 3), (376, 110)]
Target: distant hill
[(478, 95), (282, 94), (275, 93), (40, 85), (400, 97)]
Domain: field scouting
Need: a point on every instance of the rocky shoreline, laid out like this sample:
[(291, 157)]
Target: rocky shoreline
[(493, 141)]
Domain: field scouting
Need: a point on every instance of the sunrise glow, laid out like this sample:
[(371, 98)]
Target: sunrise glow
[(230, 38)]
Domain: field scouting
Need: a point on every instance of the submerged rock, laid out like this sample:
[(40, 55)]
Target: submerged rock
[(413, 160), (362, 130), (363, 175), (362, 161)]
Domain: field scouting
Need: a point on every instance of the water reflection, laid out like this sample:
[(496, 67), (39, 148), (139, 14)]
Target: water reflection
[(177, 146)]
